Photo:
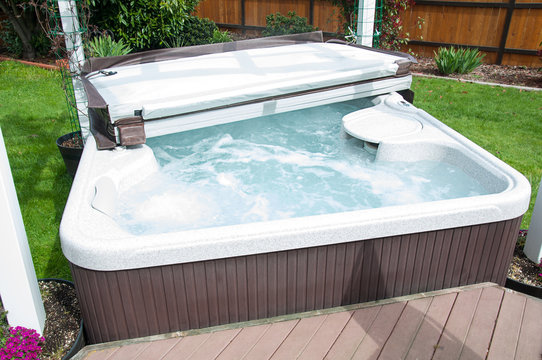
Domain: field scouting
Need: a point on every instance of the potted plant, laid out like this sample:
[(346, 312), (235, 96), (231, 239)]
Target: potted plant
[(524, 275), (63, 334)]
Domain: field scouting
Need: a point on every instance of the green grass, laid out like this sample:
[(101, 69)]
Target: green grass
[(506, 122), (33, 114)]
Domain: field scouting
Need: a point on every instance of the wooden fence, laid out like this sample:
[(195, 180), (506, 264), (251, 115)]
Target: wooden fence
[(250, 14), (508, 31)]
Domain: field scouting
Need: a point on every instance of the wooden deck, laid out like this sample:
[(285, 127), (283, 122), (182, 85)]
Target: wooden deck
[(472, 322)]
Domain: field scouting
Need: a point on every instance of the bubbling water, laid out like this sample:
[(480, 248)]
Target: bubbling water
[(274, 167)]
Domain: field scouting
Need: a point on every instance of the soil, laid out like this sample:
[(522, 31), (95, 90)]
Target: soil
[(63, 318), (75, 143), (522, 269), (501, 74)]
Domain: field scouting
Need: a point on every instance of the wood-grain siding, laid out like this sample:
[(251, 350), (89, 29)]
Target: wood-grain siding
[(140, 302)]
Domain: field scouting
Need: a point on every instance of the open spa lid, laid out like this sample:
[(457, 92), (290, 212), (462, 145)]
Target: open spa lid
[(124, 94)]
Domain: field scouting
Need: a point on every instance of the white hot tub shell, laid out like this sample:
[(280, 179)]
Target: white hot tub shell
[(137, 285)]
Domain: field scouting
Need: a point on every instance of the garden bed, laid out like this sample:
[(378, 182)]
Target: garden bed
[(501, 74)]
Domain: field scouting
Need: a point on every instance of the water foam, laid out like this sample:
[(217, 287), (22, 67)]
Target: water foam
[(275, 167)]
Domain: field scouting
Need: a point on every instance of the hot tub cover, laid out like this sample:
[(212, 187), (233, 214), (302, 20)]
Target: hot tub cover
[(170, 87)]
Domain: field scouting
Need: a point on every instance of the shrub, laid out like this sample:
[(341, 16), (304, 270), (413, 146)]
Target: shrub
[(462, 61), (197, 31), (9, 39), (277, 24), (143, 24), (14, 46), (103, 46)]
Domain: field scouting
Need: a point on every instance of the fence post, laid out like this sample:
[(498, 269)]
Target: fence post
[(505, 30), (18, 284), (311, 12)]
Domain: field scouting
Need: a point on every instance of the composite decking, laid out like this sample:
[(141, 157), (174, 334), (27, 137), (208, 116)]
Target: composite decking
[(483, 321)]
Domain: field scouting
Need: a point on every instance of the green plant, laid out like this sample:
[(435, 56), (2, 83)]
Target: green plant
[(462, 61), (22, 23), (197, 31), (388, 28), (103, 46), (221, 37), (143, 24), (4, 326), (391, 27), (277, 24), (8, 37), (347, 12)]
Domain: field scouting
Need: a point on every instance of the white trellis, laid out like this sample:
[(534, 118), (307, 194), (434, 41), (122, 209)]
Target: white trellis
[(71, 29), (366, 21)]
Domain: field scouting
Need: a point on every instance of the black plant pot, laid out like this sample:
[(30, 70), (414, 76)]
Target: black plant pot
[(532, 290), (80, 340), (70, 155)]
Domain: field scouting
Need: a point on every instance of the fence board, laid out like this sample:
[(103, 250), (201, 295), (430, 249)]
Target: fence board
[(230, 12), (257, 10), (326, 17), (459, 22), (525, 29), (222, 11), (481, 24)]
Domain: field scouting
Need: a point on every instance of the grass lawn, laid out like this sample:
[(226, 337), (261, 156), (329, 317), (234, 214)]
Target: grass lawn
[(33, 115)]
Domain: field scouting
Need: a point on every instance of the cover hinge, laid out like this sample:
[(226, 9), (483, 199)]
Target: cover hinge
[(131, 131)]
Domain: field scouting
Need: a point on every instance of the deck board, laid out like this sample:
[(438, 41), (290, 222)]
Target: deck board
[(478, 339), (379, 332), (158, 349), (406, 329), (324, 338), (214, 345), (298, 338), (238, 348), (506, 335), (530, 337), (470, 322), (187, 346), (266, 346), (431, 328), (353, 333), (129, 352), (453, 337)]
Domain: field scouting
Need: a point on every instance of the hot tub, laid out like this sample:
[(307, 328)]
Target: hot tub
[(136, 280)]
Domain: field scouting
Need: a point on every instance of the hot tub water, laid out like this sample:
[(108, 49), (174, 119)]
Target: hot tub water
[(273, 167)]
